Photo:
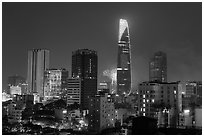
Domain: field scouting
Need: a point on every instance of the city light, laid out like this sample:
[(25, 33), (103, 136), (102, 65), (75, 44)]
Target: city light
[(187, 111), (64, 111), (132, 98)]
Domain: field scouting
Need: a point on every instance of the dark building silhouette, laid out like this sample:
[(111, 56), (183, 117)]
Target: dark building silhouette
[(158, 67), (144, 126), (124, 60), (84, 66), (28, 100)]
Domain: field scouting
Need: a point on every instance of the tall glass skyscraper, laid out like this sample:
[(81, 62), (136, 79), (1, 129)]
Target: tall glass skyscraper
[(124, 60), (84, 66), (158, 67), (38, 62)]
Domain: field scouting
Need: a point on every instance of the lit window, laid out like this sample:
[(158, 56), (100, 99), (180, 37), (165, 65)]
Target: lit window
[(143, 105), (153, 100), (143, 109), (147, 100), (143, 100), (143, 114), (143, 96)]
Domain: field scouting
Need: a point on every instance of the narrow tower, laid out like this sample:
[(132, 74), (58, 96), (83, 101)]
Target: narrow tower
[(124, 60), (38, 62)]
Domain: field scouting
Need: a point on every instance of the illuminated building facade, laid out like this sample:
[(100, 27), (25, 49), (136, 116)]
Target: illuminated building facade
[(158, 67), (38, 62), (84, 66), (55, 83), (15, 90), (124, 60), (17, 83)]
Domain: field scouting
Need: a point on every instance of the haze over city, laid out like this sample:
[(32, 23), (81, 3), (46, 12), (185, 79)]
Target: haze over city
[(174, 28)]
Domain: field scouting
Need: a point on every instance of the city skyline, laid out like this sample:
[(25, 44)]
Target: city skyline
[(174, 28)]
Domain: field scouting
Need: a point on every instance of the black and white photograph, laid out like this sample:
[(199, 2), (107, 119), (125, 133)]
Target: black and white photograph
[(101, 68)]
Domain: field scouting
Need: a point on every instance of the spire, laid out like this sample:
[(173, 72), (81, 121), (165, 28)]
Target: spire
[(123, 31)]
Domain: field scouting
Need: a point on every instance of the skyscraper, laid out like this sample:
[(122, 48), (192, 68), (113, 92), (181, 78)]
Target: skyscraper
[(84, 66), (124, 60), (158, 67), (38, 62)]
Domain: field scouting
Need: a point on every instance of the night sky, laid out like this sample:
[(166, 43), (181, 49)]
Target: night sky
[(174, 28)]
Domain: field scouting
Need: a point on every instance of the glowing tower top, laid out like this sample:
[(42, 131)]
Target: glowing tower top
[(123, 31)]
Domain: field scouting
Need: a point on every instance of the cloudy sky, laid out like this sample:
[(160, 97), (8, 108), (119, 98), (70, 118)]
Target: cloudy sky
[(174, 28)]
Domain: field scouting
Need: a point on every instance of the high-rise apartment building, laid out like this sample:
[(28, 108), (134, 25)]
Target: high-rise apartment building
[(38, 62), (73, 91), (158, 67), (124, 60), (55, 83), (84, 66), (161, 101)]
